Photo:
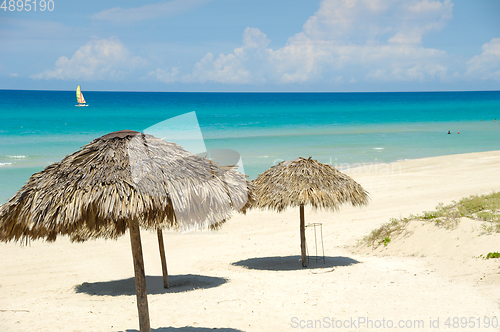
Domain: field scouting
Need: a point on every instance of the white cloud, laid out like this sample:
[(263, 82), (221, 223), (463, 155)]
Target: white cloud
[(247, 64), (339, 20), (421, 17), (147, 12), (380, 36), (359, 40), (254, 38), (224, 69), (369, 20), (99, 59), (14, 75), (402, 62), (169, 75), (302, 59), (487, 64)]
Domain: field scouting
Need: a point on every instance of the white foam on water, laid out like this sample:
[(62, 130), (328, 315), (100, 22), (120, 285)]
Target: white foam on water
[(17, 157), (378, 148), (5, 164)]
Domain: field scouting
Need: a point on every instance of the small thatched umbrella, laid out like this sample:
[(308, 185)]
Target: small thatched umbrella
[(124, 180), (305, 181)]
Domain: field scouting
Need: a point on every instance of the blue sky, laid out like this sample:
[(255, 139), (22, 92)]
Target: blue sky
[(253, 45)]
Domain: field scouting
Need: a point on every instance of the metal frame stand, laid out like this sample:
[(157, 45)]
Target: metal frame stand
[(315, 227)]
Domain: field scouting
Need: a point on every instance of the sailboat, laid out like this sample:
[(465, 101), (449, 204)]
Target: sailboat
[(79, 97)]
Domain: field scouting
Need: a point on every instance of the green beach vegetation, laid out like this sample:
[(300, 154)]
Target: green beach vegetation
[(478, 207), (493, 255)]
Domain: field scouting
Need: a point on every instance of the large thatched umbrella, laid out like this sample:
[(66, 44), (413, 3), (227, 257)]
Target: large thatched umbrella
[(124, 180), (305, 181)]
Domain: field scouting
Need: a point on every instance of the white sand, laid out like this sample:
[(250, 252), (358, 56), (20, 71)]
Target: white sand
[(247, 277)]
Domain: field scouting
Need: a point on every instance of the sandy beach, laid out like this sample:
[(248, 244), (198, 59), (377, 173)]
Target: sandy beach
[(248, 277)]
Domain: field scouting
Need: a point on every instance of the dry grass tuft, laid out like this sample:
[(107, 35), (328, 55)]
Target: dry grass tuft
[(478, 207)]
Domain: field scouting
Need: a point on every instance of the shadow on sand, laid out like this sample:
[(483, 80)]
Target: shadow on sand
[(290, 263), (189, 329), (154, 284)]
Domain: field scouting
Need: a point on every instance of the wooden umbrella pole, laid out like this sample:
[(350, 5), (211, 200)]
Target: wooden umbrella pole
[(303, 236), (163, 258), (140, 276)]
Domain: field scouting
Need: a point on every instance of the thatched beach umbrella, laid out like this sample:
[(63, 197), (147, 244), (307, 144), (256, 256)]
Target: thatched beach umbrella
[(305, 181), (124, 180)]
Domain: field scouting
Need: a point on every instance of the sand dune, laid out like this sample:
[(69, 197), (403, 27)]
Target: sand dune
[(247, 276), (452, 252)]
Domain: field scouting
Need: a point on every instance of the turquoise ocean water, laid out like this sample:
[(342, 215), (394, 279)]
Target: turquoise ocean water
[(41, 127)]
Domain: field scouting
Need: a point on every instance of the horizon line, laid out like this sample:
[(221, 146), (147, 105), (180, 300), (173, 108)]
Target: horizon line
[(138, 91)]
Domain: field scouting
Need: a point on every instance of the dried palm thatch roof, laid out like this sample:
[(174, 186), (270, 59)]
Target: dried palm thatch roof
[(305, 181), (121, 176)]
